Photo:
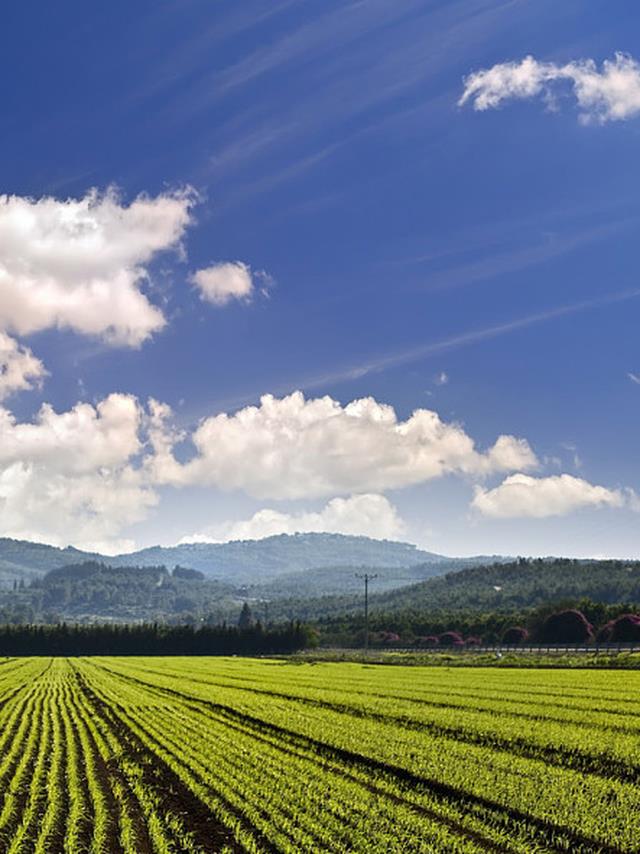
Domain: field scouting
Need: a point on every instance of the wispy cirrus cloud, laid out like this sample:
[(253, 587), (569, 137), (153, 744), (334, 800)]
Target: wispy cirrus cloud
[(611, 93), (383, 362), (553, 244), (465, 339), (351, 96)]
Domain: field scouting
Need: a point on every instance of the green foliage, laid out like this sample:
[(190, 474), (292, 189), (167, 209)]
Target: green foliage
[(490, 626), (201, 754)]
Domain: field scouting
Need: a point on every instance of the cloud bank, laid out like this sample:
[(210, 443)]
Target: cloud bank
[(365, 515), (293, 448), (88, 473), (609, 94), (72, 476), (520, 495)]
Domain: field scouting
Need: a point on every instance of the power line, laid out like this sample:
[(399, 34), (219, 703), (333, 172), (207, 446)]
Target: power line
[(366, 578)]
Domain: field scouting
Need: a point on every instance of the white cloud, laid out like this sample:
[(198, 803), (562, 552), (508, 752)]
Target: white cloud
[(296, 448), (84, 475), (19, 368), (71, 476), (610, 94), (520, 495), (80, 263), (221, 283), (442, 378), (635, 378), (366, 515)]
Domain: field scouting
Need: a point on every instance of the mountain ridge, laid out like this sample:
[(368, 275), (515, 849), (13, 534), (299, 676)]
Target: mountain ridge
[(239, 561)]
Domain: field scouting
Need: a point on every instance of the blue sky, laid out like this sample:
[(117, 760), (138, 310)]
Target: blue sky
[(319, 212)]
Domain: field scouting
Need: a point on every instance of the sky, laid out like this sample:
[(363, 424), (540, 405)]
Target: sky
[(362, 267)]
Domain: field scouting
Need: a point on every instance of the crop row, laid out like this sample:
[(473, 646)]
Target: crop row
[(555, 805), (68, 784), (605, 745), (230, 755)]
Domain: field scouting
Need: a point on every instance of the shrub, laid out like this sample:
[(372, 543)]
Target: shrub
[(389, 637), (427, 640), (451, 639), (515, 635), (473, 641), (569, 626), (604, 632), (626, 629)]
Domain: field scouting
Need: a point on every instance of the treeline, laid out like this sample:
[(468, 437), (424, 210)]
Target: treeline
[(151, 639), (411, 627)]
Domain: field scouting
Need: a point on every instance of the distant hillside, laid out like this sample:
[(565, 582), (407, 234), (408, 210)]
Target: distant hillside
[(240, 562), (519, 584), (498, 587), (92, 591), (249, 561), (21, 559), (344, 580)]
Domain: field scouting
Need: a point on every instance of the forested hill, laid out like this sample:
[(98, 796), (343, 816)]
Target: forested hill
[(252, 561), (239, 562), (93, 591), (519, 584), (23, 560), (347, 580), (508, 587)]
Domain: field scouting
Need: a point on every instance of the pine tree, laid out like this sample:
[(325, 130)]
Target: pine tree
[(245, 620)]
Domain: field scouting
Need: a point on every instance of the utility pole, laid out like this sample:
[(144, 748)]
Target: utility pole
[(367, 578)]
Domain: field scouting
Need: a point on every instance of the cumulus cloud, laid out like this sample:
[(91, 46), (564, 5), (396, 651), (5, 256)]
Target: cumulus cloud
[(366, 515), (84, 475), (294, 448), (221, 283), (609, 94), (521, 495), (81, 263), (72, 476), (19, 368)]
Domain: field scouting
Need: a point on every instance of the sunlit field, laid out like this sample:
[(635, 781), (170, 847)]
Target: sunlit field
[(215, 754)]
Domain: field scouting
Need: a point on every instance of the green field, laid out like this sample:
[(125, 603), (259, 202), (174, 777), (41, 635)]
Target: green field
[(214, 754)]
